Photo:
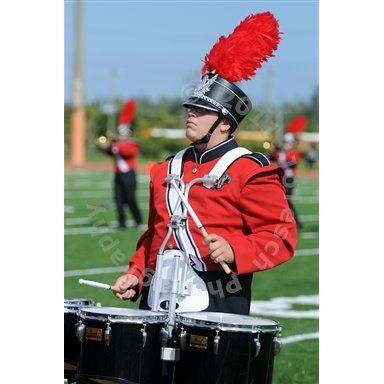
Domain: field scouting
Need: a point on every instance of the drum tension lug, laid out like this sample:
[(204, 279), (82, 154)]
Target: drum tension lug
[(277, 344), (144, 335), (164, 336), (257, 344), (80, 331), (183, 338), (107, 334), (216, 342)]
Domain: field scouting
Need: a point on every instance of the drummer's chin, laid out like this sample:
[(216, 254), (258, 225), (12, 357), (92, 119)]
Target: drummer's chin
[(190, 134)]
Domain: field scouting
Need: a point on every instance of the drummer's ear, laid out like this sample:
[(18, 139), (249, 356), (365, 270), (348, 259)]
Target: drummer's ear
[(225, 126)]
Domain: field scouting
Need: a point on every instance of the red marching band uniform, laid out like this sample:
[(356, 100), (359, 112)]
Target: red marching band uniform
[(289, 159), (250, 212), (124, 154), (292, 158), (124, 151), (247, 207)]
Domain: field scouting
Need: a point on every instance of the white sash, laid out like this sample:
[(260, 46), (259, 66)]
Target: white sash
[(226, 160)]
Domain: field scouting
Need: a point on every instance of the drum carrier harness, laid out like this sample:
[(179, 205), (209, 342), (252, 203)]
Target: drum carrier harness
[(175, 286)]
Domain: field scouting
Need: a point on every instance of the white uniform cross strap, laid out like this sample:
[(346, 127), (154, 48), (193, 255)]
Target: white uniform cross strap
[(177, 162), (226, 160), (175, 168)]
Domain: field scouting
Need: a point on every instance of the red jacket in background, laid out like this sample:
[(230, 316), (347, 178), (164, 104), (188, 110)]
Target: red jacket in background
[(124, 154), (287, 160)]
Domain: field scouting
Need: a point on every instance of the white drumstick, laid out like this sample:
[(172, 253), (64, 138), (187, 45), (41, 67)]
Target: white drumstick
[(96, 284)]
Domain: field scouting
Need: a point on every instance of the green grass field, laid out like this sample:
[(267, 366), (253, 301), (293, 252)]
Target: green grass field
[(287, 293)]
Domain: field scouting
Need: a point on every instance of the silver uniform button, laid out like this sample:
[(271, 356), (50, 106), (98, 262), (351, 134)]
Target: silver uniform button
[(194, 170), (170, 246)]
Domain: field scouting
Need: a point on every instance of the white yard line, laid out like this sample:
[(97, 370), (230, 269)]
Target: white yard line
[(307, 252), (300, 337), (309, 235), (77, 220), (69, 208), (88, 230), (86, 179), (97, 187), (284, 307), (105, 205), (99, 194), (305, 199), (309, 218), (94, 271), (96, 230)]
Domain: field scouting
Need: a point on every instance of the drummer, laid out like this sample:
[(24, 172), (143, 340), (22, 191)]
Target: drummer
[(247, 216)]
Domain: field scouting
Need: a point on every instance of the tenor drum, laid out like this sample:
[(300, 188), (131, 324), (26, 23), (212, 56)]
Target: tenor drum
[(223, 348), (71, 344), (120, 345)]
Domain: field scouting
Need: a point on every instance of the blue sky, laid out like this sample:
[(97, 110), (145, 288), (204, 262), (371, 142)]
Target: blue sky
[(155, 48)]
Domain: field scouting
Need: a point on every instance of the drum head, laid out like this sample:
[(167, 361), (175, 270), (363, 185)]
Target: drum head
[(73, 304), (122, 315), (229, 322)]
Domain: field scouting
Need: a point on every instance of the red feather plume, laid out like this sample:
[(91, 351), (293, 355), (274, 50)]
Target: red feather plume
[(238, 56), (297, 124), (128, 112)]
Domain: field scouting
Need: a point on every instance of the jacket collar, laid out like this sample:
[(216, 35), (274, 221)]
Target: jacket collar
[(214, 152)]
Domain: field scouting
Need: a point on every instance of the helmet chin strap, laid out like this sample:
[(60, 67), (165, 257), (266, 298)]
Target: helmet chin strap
[(207, 137)]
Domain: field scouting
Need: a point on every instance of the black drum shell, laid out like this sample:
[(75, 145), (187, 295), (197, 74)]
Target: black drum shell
[(235, 362), (124, 360), (71, 346)]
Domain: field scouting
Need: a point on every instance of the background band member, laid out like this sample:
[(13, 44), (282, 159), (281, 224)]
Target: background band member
[(311, 156), (288, 158), (246, 214), (124, 150)]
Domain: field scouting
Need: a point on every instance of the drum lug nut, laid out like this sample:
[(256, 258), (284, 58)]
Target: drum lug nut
[(277, 344), (164, 336), (107, 335), (144, 335), (216, 342), (183, 338), (257, 346), (80, 331)]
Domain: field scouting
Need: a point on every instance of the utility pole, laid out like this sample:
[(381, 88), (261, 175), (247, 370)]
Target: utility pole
[(78, 118)]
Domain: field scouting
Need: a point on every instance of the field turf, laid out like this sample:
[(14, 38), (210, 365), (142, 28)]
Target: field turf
[(92, 242)]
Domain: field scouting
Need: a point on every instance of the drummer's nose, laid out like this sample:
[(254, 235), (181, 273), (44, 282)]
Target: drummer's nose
[(192, 112)]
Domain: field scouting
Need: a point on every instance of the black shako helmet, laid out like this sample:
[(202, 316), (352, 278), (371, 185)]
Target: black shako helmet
[(232, 59), (220, 95)]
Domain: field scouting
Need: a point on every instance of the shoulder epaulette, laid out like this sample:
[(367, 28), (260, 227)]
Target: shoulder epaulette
[(259, 158), (169, 158)]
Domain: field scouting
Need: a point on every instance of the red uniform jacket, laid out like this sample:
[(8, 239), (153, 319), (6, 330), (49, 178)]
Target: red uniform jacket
[(287, 160), (250, 212), (124, 154)]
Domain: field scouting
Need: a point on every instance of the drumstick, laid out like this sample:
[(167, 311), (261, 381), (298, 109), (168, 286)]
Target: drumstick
[(97, 285), (223, 264)]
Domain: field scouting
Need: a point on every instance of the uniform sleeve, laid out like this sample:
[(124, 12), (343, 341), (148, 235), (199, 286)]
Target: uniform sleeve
[(138, 261), (129, 149), (270, 236), (297, 157)]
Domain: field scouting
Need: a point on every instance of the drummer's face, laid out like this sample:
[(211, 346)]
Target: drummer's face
[(198, 123)]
